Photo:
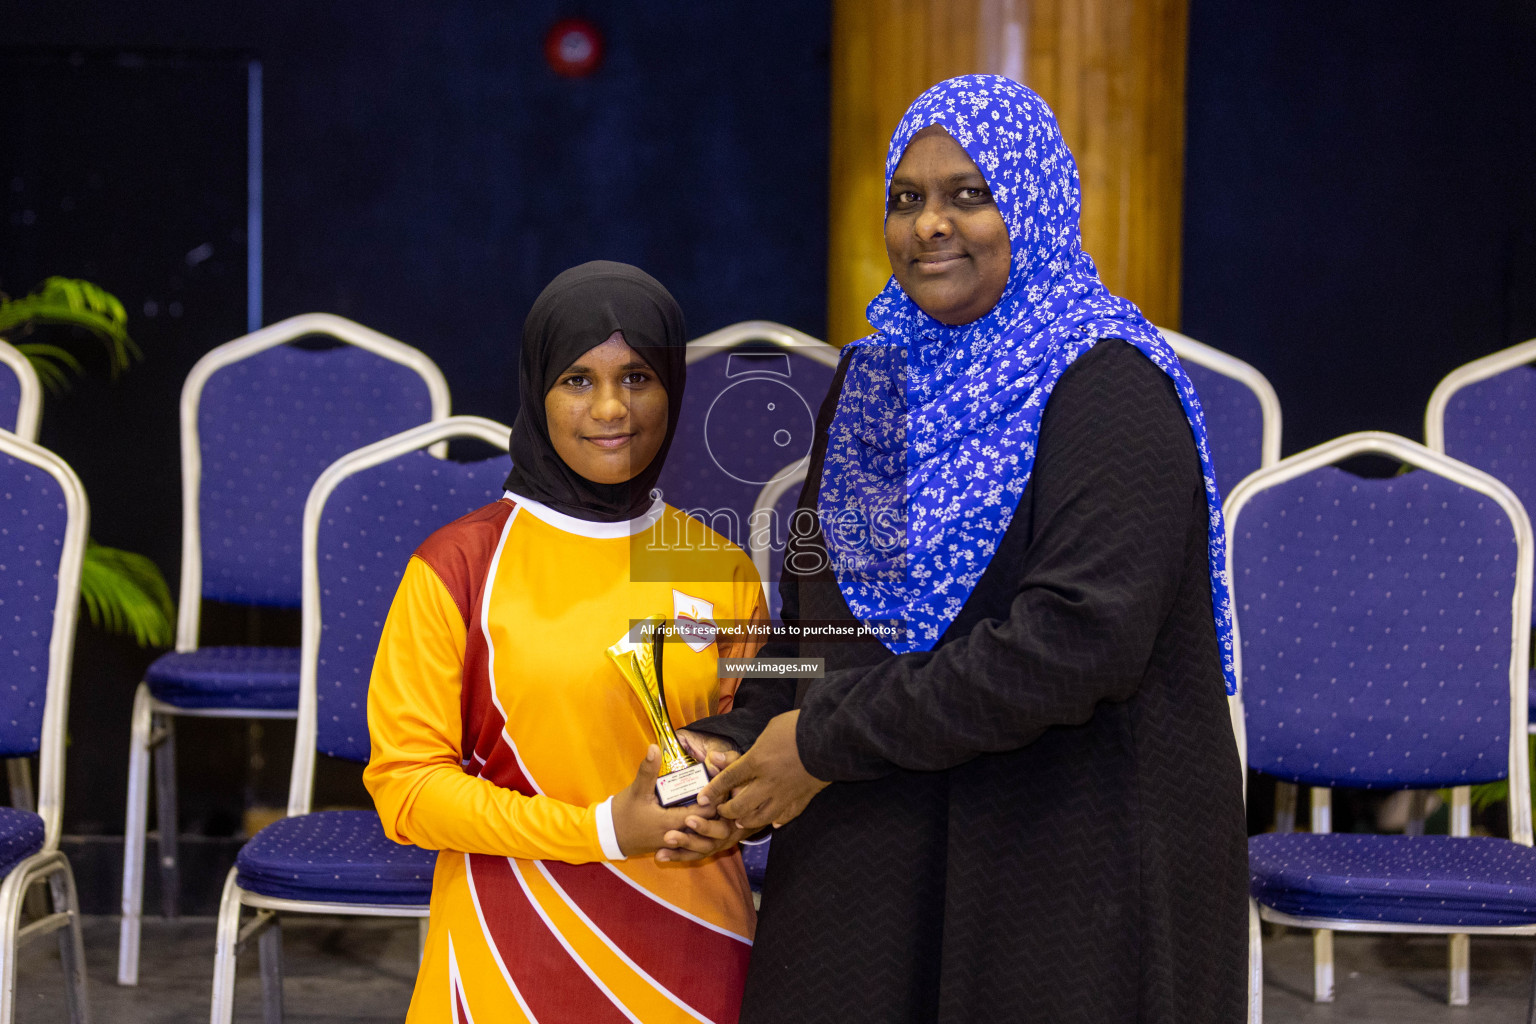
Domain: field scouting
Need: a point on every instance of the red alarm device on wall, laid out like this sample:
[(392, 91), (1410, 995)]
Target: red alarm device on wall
[(573, 47)]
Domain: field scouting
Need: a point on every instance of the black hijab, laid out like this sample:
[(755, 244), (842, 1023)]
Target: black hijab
[(577, 312)]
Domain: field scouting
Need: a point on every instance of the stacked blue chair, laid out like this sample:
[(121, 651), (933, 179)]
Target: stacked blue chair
[(43, 524), (754, 389), (365, 516), (21, 394), (1242, 419), (743, 444), (21, 410), (1384, 630), (1242, 411), (1484, 413), (773, 519), (260, 420)]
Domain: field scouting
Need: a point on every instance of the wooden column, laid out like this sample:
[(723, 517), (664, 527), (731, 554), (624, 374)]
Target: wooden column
[(1113, 71)]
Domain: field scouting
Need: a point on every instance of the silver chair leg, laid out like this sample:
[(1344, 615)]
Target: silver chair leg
[(1322, 966), (1285, 819), (135, 833), (1255, 966), (1322, 939), (226, 940), (1530, 1006), (1459, 990), (52, 867), (1285, 807), (1418, 810), (71, 944), (12, 891), (165, 803), (271, 952), (18, 771), (1459, 985)]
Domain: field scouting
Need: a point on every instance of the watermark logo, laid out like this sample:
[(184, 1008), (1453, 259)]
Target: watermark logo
[(869, 547), (742, 489), (759, 427)]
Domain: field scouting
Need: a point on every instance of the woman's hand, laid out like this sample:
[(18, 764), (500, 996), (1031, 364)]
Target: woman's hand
[(713, 752), (768, 784), (640, 823)]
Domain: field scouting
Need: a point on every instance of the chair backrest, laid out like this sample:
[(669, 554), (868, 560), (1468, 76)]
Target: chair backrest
[(1383, 624), (21, 394), (771, 524), (365, 516), (754, 389), (1484, 414), (260, 419), (1242, 411), (43, 526)]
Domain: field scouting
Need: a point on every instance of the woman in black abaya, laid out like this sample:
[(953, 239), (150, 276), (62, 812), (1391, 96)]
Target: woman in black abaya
[(1025, 804)]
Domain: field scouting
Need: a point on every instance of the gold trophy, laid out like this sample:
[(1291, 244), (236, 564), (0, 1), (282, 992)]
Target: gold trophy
[(639, 663)]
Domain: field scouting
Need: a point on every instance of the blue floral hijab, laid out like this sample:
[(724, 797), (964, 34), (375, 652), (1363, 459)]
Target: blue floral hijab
[(934, 436)]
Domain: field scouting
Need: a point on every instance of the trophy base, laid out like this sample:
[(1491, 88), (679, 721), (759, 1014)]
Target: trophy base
[(681, 786)]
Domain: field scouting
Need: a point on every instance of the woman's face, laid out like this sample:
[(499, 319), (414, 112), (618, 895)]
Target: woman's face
[(943, 233), (607, 413)]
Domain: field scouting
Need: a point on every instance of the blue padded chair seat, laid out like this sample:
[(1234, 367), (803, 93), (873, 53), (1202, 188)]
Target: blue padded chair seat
[(335, 857), (21, 835), (1436, 880), (264, 678), (754, 857)]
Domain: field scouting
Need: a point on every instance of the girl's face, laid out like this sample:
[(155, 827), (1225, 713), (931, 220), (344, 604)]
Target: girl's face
[(946, 240), (607, 413)]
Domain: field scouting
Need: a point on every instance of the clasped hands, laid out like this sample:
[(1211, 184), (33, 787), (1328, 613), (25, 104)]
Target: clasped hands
[(768, 785)]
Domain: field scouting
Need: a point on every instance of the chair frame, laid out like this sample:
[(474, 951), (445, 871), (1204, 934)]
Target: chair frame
[(29, 409), (232, 936), (1474, 372), (730, 337), (792, 342), (1191, 351), (49, 864), (29, 414), (1469, 373), (152, 722), (792, 475), (1419, 456)]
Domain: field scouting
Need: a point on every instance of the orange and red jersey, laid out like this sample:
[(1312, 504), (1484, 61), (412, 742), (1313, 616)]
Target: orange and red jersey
[(500, 729)]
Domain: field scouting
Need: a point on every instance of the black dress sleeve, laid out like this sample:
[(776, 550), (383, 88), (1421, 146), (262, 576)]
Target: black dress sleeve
[(757, 699), (1115, 482)]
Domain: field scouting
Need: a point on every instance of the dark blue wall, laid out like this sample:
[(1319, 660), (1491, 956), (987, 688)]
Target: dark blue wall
[(1360, 198), (426, 174)]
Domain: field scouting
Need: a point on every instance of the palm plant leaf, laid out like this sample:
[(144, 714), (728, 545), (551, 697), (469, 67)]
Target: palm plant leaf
[(1485, 794), (52, 363), (124, 592), (69, 302), (1488, 793)]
